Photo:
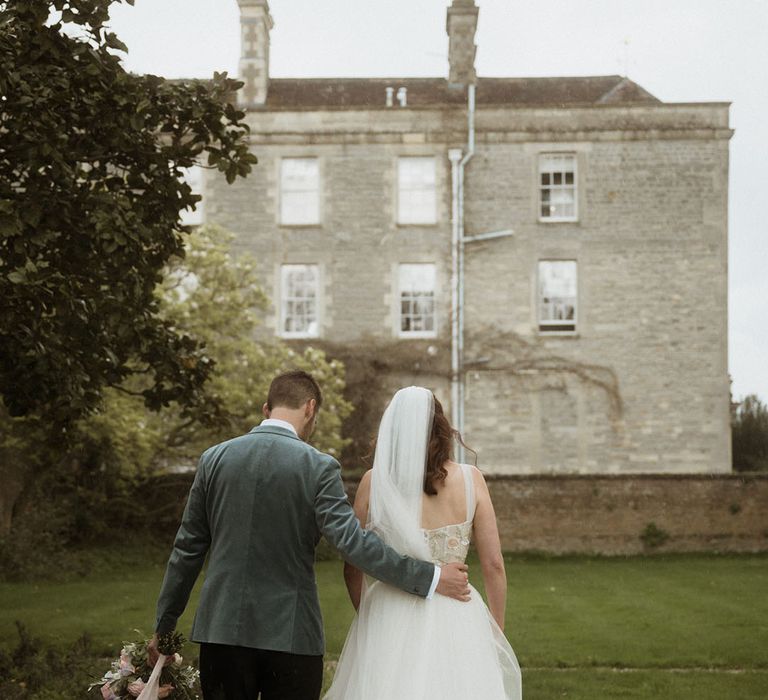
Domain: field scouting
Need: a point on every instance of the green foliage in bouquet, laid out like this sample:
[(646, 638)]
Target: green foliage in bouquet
[(170, 643), (130, 673)]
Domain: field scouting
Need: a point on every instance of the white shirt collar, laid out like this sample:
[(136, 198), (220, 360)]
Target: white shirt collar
[(277, 423)]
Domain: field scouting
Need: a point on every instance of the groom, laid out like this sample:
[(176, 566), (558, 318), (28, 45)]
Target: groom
[(257, 508)]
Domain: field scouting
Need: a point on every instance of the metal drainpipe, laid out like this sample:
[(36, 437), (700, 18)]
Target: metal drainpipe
[(459, 252), (454, 155)]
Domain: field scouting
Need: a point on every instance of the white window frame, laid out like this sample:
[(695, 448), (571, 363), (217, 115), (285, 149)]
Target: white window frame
[(287, 215), (551, 187), (404, 216), (287, 298), (553, 326), (194, 176), (412, 298)]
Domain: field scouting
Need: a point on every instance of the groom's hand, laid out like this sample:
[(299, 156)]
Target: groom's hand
[(454, 581), (153, 652)]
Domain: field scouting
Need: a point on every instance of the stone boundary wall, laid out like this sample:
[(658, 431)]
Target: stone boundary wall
[(593, 514), (603, 514)]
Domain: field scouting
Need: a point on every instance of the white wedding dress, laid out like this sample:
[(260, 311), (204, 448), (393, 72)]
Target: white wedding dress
[(401, 647)]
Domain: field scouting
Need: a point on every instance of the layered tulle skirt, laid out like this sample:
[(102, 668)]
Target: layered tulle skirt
[(401, 647)]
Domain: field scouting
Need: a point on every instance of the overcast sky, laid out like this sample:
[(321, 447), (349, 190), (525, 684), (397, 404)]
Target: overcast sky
[(679, 50)]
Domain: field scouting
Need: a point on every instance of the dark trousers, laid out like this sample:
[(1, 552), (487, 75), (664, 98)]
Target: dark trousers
[(239, 673)]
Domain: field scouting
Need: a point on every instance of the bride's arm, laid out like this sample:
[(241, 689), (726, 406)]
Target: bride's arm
[(353, 577), (488, 544)]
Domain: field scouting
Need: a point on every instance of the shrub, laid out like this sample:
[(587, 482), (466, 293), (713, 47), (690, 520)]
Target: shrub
[(653, 536), (749, 430), (33, 670), (35, 546), (374, 371)]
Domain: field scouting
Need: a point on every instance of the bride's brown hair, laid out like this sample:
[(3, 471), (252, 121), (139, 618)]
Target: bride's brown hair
[(440, 448)]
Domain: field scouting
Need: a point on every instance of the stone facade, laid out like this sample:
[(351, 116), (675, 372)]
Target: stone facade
[(640, 384)]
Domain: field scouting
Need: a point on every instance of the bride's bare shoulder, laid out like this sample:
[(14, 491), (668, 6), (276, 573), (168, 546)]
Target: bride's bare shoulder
[(457, 469), (481, 487), (478, 478)]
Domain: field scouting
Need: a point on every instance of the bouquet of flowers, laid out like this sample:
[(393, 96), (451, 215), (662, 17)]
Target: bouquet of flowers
[(131, 675)]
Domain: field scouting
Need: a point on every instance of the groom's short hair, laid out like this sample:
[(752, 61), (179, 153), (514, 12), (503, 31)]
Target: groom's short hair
[(293, 390)]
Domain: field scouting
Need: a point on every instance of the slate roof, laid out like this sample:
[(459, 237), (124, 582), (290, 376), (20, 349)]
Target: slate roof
[(370, 93)]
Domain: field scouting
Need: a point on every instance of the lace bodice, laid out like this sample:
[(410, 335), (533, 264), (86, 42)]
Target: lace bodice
[(450, 543)]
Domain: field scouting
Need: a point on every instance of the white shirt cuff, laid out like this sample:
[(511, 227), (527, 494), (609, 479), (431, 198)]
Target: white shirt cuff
[(435, 581)]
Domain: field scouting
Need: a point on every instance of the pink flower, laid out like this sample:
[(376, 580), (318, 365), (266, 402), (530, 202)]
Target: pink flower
[(126, 667), (136, 687), (107, 693)]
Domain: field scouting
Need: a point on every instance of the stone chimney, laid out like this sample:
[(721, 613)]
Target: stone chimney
[(255, 23), (461, 26)]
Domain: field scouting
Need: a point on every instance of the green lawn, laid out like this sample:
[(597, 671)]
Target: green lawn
[(678, 627)]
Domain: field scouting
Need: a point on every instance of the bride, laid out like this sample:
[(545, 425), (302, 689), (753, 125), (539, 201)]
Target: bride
[(423, 504)]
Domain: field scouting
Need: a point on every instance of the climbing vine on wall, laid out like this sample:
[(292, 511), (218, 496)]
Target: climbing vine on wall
[(494, 350), (375, 369)]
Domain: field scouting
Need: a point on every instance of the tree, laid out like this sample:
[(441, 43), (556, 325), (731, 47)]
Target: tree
[(91, 159), (749, 430), (216, 297)]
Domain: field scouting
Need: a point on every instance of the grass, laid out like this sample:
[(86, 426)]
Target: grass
[(584, 684), (675, 626)]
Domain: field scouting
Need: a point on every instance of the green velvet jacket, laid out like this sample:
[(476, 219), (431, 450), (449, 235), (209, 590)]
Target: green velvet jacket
[(257, 508)]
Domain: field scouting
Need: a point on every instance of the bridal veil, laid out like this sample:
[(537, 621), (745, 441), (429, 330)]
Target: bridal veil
[(397, 479)]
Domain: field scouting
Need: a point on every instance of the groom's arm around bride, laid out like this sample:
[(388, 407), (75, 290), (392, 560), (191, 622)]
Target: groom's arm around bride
[(257, 509), (364, 550)]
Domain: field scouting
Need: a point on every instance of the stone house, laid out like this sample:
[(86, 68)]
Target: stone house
[(553, 251)]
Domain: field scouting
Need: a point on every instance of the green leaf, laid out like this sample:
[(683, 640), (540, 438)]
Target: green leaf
[(113, 42), (9, 225), (94, 148)]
